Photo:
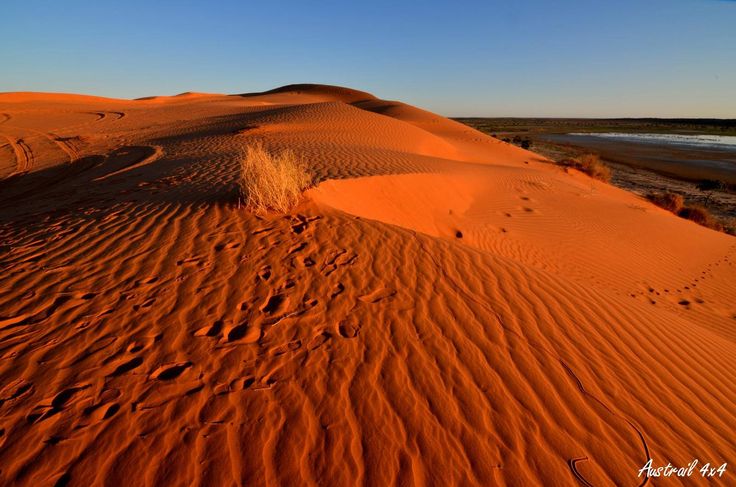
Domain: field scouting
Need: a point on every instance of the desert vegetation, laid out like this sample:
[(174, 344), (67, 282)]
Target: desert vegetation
[(591, 165), (669, 201), (272, 180), (675, 203), (700, 215)]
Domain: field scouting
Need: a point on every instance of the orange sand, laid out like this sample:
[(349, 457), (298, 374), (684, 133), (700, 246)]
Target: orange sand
[(443, 309)]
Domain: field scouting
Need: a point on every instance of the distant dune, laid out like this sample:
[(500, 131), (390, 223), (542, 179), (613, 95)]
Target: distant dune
[(443, 308)]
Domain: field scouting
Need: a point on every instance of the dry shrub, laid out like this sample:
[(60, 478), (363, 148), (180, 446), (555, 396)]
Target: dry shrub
[(669, 201), (591, 165), (272, 181), (701, 216)]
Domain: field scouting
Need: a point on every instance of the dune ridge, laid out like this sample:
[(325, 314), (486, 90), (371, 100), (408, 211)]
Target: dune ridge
[(442, 309)]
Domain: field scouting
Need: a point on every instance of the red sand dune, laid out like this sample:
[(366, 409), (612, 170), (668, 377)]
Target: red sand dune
[(442, 309)]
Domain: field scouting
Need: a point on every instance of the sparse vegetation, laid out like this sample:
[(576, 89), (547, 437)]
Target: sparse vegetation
[(633, 174), (524, 143), (707, 186), (669, 201), (675, 203), (701, 216), (591, 165), (272, 181)]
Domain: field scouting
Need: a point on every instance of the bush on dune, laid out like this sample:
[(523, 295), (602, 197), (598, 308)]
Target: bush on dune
[(272, 181), (701, 216), (591, 165), (674, 203), (669, 201)]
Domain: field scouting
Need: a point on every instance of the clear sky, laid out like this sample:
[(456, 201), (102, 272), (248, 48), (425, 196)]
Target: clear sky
[(512, 58)]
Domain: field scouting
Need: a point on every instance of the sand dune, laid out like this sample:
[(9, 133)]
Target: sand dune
[(442, 309)]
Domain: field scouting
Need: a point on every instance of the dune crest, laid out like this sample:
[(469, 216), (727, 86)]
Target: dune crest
[(441, 309)]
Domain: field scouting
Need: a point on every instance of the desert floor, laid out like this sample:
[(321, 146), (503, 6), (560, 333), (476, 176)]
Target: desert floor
[(442, 308)]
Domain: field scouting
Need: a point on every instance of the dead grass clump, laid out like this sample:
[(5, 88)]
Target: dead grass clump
[(701, 216), (272, 181), (697, 213), (591, 165), (669, 201)]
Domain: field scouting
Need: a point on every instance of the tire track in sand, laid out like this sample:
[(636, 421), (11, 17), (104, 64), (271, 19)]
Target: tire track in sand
[(23, 155), (104, 115), (25, 161), (60, 142), (19, 155)]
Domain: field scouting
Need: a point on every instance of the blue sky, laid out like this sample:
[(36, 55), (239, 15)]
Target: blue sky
[(527, 58)]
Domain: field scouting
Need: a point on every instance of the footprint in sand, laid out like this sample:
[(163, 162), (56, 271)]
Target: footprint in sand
[(378, 295), (105, 408), (212, 330), (137, 345), (146, 282), (127, 366), (264, 274), (228, 332), (65, 397), (146, 304), (318, 340), (289, 347), (302, 223), (226, 246), (337, 290), (242, 383), (274, 303), (189, 261), (105, 412), (237, 332), (262, 230), (296, 248), (170, 371), (18, 389), (58, 403), (348, 328)]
